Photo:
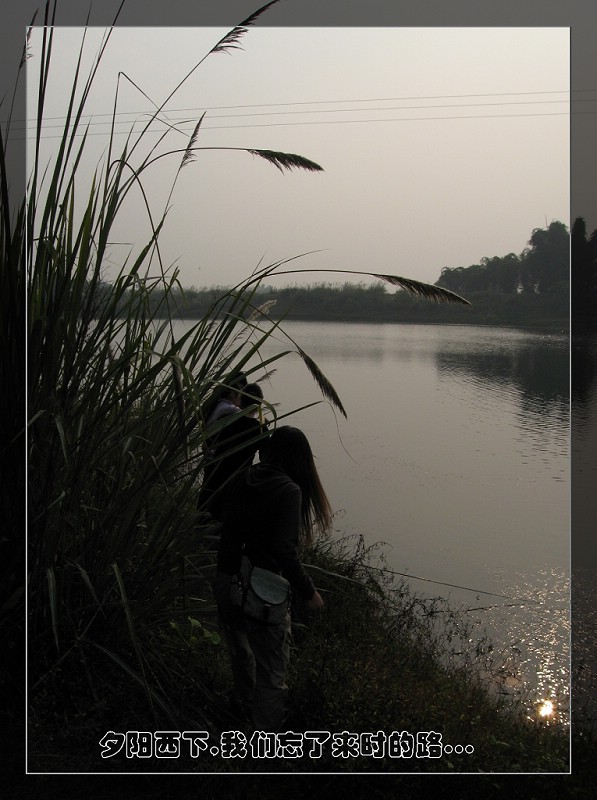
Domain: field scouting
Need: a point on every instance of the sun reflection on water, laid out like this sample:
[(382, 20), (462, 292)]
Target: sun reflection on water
[(531, 645), (546, 708)]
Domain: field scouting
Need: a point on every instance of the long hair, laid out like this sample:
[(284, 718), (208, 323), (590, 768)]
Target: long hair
[(289, 449)]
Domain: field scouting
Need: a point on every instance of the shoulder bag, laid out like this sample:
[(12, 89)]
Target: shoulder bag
[(260, 594)]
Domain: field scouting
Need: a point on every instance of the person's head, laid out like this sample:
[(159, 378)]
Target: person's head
[(229, 390), (233, 390), (289, 449), (251, 395)]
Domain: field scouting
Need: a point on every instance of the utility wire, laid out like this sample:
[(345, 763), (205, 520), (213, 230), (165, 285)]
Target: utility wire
[(195, 109), (327, 122), (322, 111), (167, 119)]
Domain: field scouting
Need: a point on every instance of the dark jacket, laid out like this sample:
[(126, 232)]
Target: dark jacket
[(262, 513), (232, 449)]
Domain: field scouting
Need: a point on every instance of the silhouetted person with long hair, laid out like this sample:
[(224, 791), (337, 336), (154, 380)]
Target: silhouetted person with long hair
[(271, 510)]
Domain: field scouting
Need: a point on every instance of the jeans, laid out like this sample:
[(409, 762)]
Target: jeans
[(259, 656)]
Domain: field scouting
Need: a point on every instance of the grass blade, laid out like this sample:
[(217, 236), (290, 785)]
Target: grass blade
[(287, 161), (320, 379), (231, 40), (53, 598), (135, 642), (426, 290), (140, 679)]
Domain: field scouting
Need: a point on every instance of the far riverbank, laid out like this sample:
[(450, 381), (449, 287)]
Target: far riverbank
[(374, 303)]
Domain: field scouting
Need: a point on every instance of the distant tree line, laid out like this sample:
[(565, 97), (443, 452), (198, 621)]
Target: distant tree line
[(542, 267), (529, 289), (360, 302)]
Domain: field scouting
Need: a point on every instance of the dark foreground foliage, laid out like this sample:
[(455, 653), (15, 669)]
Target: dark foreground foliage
[(370, 662)]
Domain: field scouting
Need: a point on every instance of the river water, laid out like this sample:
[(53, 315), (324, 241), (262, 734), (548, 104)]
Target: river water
[(455, 455)]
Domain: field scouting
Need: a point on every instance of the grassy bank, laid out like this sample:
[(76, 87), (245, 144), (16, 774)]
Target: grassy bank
[(371, 662)]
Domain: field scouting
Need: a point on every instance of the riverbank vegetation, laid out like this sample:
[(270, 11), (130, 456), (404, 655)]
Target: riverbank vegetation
[(540, 269), (530, 290), (373, 661), (119, 617), (359, 302)]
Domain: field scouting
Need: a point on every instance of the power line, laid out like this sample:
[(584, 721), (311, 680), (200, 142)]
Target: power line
[(330, 122), (172, 120), (329, 102), (324, 111), (387, 99)]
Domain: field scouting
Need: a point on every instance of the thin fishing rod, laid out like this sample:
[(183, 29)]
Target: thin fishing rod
[(441, 583), (419, 578)]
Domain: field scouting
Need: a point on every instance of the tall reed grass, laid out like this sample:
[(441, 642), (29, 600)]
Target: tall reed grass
[(116, 404)]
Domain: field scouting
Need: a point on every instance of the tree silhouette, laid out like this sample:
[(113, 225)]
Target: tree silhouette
[(546, 262), (583, 266)]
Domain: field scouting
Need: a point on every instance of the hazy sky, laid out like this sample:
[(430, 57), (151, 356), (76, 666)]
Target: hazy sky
[(440, 146)]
